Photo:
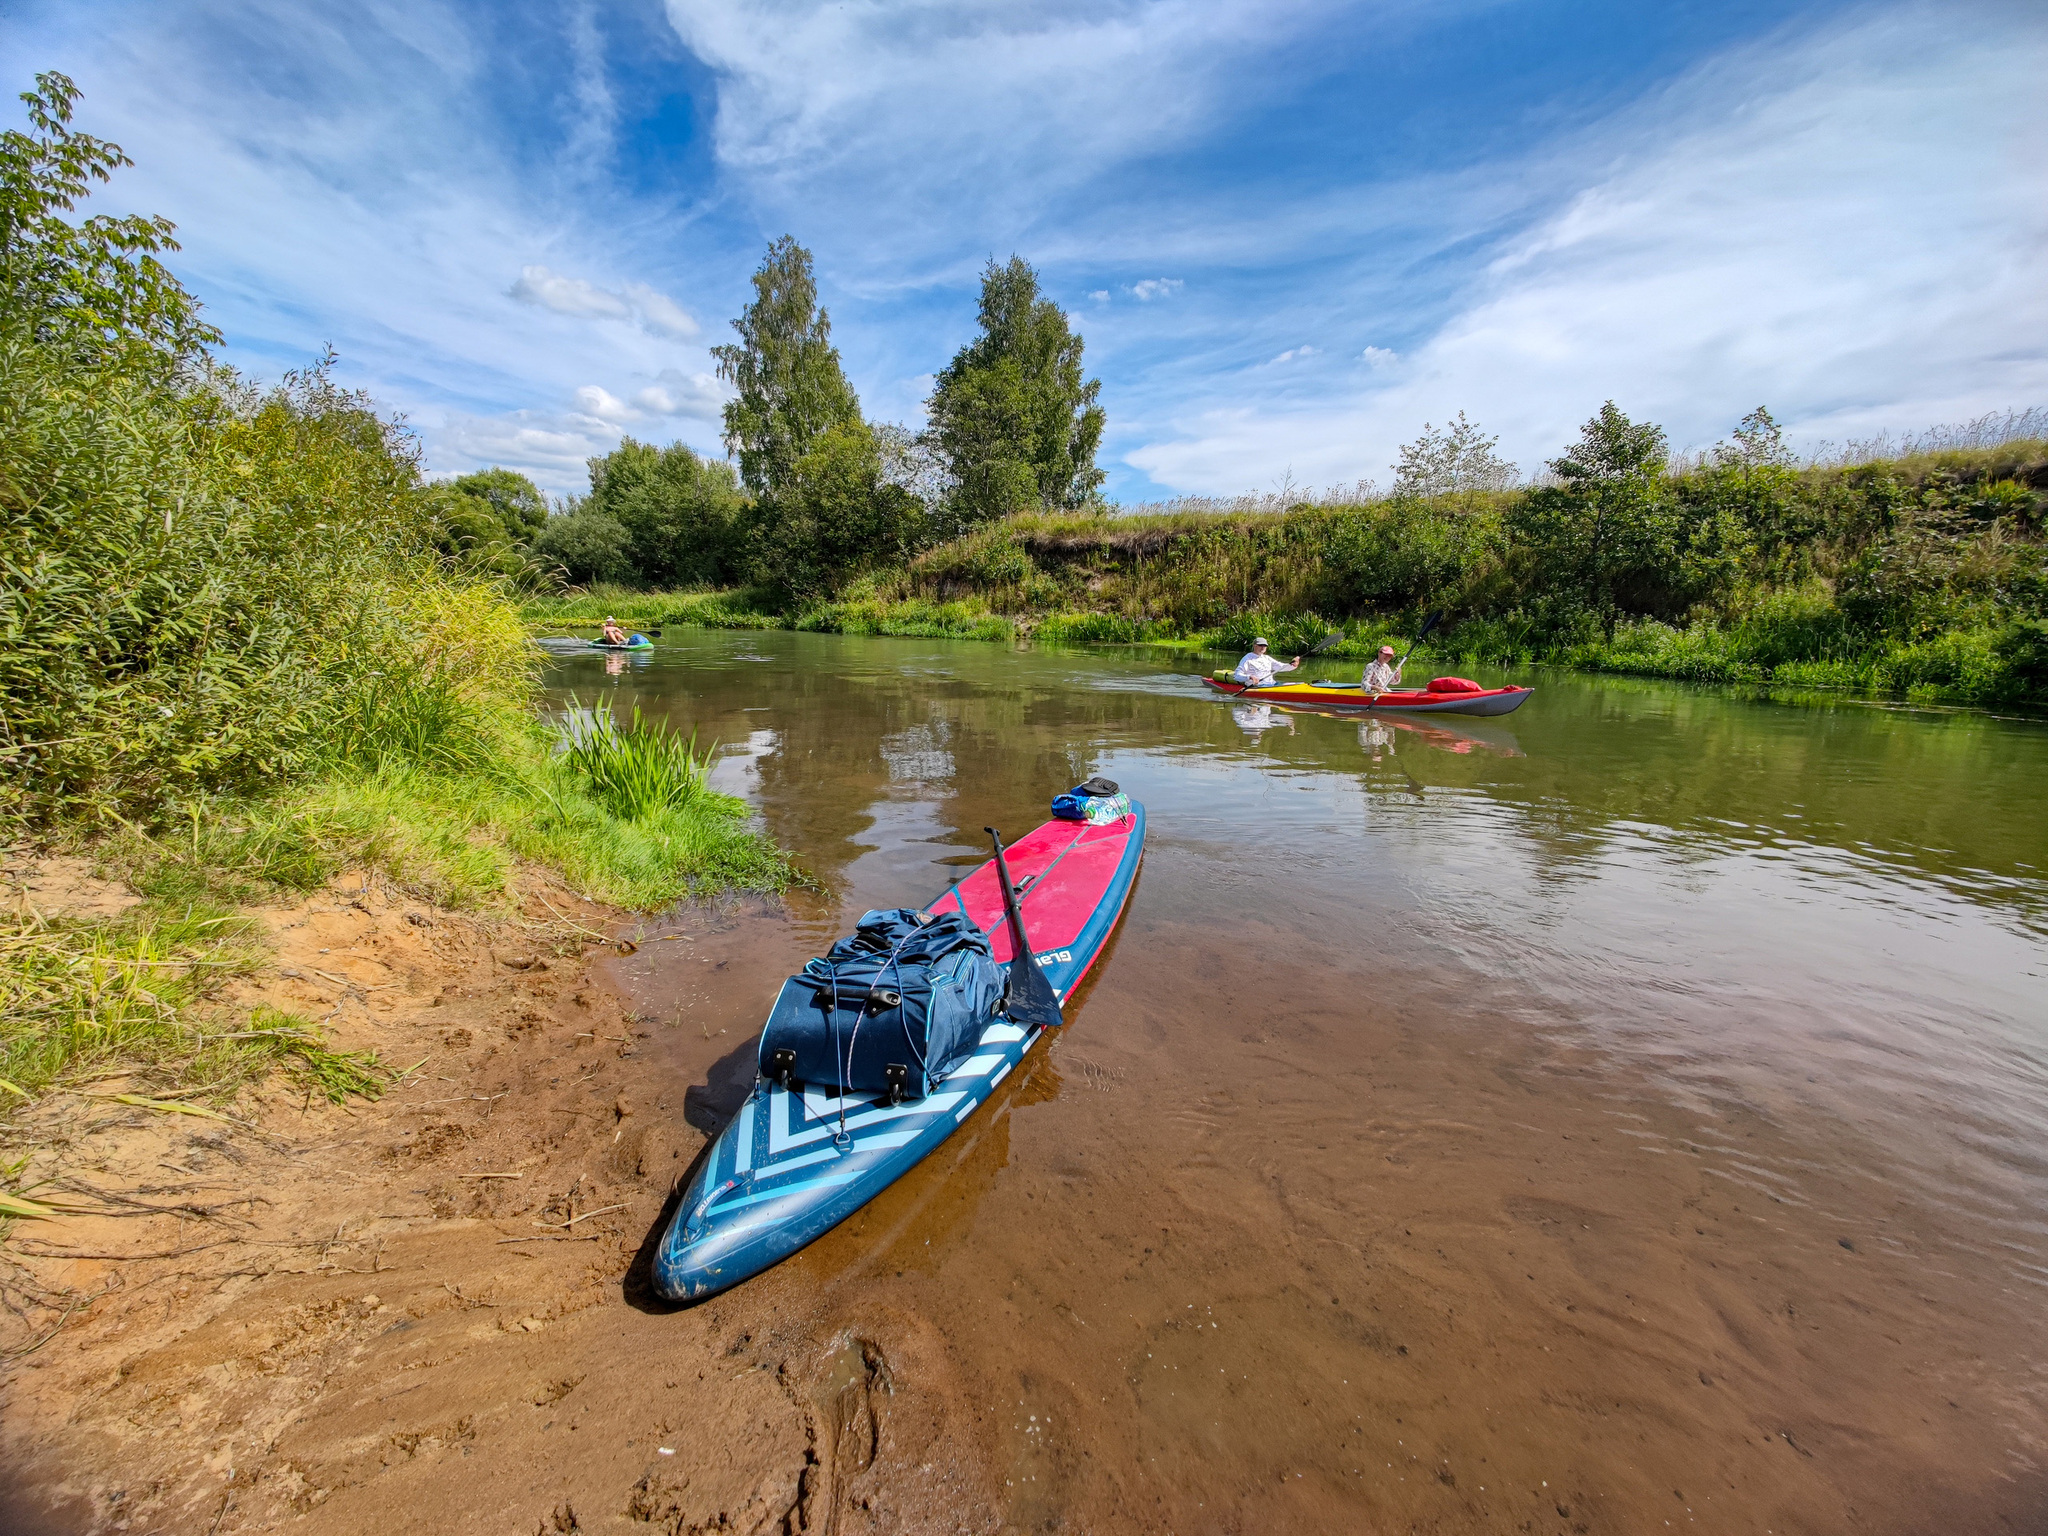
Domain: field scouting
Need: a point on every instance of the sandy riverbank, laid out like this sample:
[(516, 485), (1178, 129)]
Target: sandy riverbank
[(429, 1313)]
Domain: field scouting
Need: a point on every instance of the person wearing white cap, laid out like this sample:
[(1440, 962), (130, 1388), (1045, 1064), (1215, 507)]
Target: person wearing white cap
[(1257, 669)]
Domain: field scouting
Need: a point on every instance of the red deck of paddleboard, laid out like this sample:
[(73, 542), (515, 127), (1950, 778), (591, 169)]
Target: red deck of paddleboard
[(1064, 868)]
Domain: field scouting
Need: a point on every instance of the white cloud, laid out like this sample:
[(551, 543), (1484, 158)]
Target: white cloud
[(659, 313), (553, 446), (584, 300), (1379, 357), (1293, 354), (569, 295), (1851, 233), (837, 109), (699, 395), (1100, 295), (1157, 288), (600, 402)]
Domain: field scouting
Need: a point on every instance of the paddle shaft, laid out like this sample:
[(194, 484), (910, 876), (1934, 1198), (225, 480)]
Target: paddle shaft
[(1031, 999), (1426, 626)]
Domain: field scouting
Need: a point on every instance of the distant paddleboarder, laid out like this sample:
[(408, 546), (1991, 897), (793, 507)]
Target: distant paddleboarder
[(1258, 669), (612, 634)]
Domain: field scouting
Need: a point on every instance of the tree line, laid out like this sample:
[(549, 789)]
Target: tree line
[(814, 494)]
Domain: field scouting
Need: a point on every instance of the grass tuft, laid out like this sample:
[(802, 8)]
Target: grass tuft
[(639, 771)]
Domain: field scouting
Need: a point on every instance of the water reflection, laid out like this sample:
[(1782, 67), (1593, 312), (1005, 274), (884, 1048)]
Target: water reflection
[(1256, 719), (1668, 1006), (1957, 799)]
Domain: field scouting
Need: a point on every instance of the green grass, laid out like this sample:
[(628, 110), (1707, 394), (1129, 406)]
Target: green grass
[(83, 1001), (639, 772)]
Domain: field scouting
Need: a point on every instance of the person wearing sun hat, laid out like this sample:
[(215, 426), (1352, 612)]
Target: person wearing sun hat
[(1383, 673), (1257, 669)]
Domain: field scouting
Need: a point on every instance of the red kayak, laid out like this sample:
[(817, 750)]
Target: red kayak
[(1444, 696)]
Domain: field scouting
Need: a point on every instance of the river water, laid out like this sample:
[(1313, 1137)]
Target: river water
[(1630, 1112)]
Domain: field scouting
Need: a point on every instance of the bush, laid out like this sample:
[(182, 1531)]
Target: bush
[(1290, 634), (208, 590), (2021, 649), (639, 770), (680, 515), (585, 547)]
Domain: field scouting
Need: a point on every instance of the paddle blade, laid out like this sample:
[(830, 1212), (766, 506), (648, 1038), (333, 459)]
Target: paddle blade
[(1326, 642), (1029, 1000)]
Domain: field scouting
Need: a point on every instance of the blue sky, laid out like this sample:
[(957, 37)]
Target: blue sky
[(1290, 231)]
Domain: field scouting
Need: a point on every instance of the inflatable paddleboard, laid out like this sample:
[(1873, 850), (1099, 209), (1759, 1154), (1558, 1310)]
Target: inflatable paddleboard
[(794, 1163), (636, 643)]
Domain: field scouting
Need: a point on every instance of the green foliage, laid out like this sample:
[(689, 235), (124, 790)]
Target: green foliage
[(639, 770), (91, 292), (514, 500), (234, 612), (835, 517), (585, 547), (195, 586), (1015, 420), (1740, 567), (786, 371), (487, 521), (1604, 541), (79, 994), (682, 515), (1288, 634), (877, 616), (1456, 461), (2021, 649)]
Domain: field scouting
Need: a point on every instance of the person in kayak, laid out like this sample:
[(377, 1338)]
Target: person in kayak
[(1383, 673), (1257, 669), (611, 634)]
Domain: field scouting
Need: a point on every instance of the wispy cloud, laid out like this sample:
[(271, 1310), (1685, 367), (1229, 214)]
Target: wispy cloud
[(1851, 232), (832, 107), (490, 210), (576, 296)]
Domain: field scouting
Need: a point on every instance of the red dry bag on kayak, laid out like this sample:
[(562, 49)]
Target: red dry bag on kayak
[(1454, 685)]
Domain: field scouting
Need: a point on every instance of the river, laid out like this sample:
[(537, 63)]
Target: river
[(1631, 1112)]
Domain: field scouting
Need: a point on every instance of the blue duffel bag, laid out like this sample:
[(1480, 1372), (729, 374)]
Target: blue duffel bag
[(891, 1008)]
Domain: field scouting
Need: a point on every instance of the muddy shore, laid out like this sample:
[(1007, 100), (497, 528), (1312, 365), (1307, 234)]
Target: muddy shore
[(430, 1312), (1153, 1287)]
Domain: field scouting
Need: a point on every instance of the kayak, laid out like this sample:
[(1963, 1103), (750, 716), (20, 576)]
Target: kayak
[(1486, 701), (795, 1162)]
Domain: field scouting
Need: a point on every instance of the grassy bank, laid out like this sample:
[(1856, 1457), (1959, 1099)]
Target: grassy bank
[(862, 612), (1923, 577), (234, 660)]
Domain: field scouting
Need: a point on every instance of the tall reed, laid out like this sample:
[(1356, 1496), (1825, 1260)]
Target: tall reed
[(637, 771)]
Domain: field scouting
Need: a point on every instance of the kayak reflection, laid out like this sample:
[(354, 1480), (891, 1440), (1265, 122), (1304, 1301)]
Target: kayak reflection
[(1378, 735)]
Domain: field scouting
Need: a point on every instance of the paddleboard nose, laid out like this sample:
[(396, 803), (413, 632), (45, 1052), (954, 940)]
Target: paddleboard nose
[(697, 1252)]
